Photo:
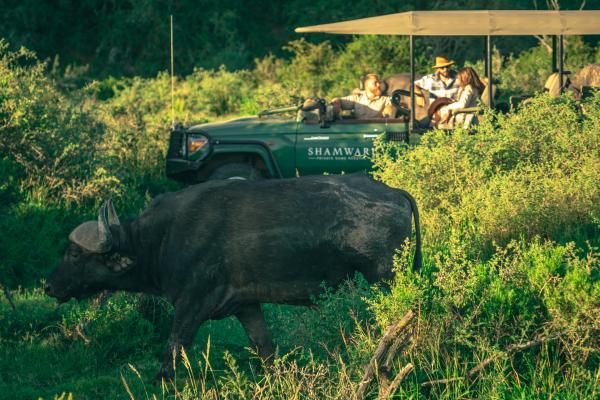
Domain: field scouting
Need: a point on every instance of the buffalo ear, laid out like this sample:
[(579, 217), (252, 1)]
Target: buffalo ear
[(120, 263)]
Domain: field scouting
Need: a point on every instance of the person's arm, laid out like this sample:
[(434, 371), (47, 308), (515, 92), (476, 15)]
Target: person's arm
[(348, 102), (465, 98), (389, 111), (424, 83)]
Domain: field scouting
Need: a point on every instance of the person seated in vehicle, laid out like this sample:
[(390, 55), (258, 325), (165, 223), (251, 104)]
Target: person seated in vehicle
[(442, 83), (552, 85), (369, 103), (470, 89)]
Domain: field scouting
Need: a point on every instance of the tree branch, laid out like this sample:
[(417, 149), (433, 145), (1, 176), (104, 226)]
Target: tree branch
[(392, 339), (9, 297), (388, 390), (510, 349)]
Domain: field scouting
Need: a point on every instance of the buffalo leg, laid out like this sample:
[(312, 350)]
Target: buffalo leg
[(253, 321), (185, 325)]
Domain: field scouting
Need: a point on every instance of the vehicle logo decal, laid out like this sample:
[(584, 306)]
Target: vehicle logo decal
[(317, 138), (338, 153)]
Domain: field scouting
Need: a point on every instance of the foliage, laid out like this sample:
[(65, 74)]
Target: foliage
[(48, 139), (528, 72), (510, 221), (532, 172), (471, 310), (384, 55), (131, 38), (467, 310)]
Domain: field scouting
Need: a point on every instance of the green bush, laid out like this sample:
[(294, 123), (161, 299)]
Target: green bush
[(506, 213), (309, 71), (469, 310), (383, 55), (528, 71), (49, 139), (532, 172)]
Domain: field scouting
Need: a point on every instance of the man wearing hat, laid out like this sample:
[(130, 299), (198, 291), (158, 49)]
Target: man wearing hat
[(442, 83)]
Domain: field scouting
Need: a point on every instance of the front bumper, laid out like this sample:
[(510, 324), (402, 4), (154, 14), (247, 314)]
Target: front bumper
[(182, 170)]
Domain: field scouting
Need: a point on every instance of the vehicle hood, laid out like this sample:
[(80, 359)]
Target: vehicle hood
[(246, 126)]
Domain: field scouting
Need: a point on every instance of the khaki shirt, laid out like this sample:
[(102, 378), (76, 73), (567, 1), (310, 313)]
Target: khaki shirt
[(365, 108)]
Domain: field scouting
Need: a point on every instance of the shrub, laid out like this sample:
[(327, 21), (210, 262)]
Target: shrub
[(384, 55), (533, 172), (309, 72), (48, 138)]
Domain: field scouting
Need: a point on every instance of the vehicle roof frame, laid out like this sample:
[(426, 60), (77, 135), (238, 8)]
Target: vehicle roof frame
[(486, 23)]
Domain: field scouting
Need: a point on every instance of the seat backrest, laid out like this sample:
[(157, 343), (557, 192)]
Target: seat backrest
[(552, 85), (486, 92)]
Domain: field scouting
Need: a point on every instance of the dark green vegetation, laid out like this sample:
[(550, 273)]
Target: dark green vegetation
[(510, 217), (132, 38)]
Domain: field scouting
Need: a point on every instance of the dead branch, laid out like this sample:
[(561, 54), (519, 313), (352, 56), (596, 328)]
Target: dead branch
[(543, 39), (400, 341), (9, 297), (79, 333), (385, 370), (393, 338), (485, 363), (387, 390), (441, 381), (510, 349)]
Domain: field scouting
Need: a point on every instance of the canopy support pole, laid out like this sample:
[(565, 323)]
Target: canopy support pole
[(561, 60), (488, 72), (554, 54), (485, 60), (412, 83)]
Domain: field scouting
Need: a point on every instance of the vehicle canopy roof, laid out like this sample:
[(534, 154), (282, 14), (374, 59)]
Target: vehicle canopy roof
[(469, 23)]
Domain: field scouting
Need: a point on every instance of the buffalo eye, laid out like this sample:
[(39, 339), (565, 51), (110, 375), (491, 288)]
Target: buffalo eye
[(75, 252)]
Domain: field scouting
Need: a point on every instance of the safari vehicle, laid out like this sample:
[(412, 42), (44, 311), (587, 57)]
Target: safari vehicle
[(271, 145)]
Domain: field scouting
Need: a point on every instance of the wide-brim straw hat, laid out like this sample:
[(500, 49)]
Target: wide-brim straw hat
[(442, 62)]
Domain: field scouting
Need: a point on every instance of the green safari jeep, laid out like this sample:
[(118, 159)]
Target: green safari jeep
[(272, 145)]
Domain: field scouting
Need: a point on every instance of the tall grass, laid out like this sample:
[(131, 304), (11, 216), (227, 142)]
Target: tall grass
[(510, 218), (467, 311)]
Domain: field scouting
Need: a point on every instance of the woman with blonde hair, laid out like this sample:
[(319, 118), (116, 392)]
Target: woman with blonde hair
[(470, 91)]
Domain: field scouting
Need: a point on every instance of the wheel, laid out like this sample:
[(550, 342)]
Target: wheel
[(237, 171)]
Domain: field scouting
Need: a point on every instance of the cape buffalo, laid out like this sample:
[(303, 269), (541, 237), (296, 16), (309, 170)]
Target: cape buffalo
[(222, 248)]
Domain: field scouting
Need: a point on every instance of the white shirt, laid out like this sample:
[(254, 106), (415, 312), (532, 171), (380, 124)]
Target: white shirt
[(467, 97), (434, 84)]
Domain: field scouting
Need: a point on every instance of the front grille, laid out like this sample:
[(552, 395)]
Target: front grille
[(397, 136), (176, 144)]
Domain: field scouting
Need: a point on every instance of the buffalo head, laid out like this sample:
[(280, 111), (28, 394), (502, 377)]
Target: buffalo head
[(92, 262)]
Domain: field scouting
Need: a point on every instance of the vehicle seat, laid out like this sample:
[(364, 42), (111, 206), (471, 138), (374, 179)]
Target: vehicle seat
[(552, 85), (486, 92)]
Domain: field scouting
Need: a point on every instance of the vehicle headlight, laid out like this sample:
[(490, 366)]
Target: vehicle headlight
[(196, 144)]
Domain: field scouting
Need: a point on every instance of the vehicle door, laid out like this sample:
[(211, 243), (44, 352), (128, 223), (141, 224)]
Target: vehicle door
[(343, 146)]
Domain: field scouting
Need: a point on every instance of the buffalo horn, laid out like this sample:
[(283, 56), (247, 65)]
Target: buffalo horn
[(104, 235), (113, 218), (94, 236)]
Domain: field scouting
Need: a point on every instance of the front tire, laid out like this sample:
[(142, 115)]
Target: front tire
[(238, 171)]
